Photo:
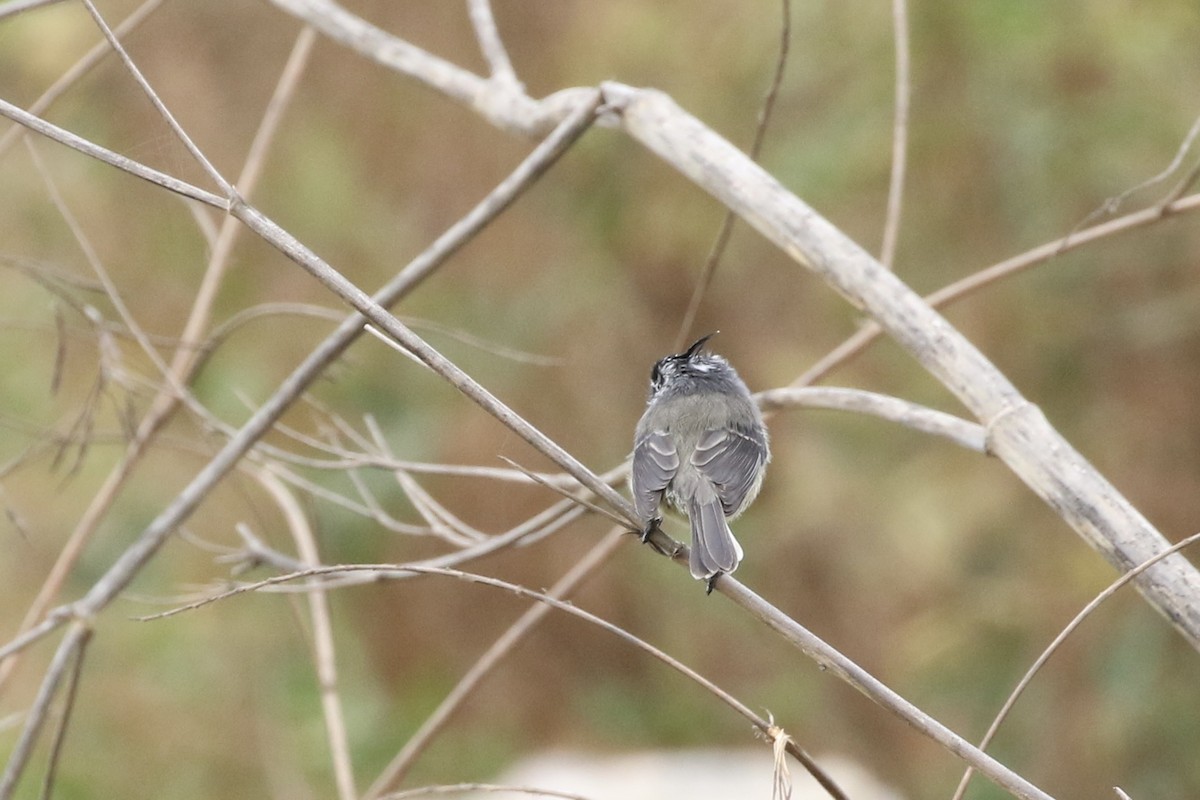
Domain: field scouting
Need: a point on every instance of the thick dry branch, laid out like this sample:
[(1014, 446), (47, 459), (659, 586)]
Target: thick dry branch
[(501, 101), (1018, 433)]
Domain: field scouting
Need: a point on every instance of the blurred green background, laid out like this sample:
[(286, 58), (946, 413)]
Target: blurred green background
[(933, 568)]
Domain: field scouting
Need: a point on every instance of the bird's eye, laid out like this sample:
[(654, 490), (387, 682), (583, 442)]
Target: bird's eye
[(656, 375)]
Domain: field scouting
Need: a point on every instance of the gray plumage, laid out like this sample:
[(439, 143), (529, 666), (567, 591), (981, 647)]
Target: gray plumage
[(700, 445)]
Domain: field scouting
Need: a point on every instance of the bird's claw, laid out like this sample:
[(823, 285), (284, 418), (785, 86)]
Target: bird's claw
[(712, 582), (650, 528)]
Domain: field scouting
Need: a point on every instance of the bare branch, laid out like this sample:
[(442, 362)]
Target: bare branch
[(927, 420), (709, 270), (185, 502), (500, 102), (491, 45)]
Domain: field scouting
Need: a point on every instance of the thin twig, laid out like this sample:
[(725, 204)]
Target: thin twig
[(324, 654), (1111, 205), (903, 91), (953, 292), (763, 725), (79, 69), (64, 721), (321, 492), (13, 7), (1185, 183), (456, 788), (491, 45), (441, 520), (69, 650), (1052, 648), (709, 270), (103, 154), (590, 506), (110, 288), (226, 188), (398, 768)]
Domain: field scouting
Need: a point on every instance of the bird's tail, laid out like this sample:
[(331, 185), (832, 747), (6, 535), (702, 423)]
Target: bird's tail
[(714, 549)]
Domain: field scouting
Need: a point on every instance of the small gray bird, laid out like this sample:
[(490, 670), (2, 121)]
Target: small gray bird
[(701, 444)]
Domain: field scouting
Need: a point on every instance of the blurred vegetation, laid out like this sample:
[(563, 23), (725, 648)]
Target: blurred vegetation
[(935, 569)]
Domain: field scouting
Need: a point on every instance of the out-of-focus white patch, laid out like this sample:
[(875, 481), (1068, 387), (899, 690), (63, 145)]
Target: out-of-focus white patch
[(742, 774)]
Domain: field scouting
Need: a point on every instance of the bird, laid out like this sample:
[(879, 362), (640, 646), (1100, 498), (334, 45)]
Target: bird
[(700, 445)]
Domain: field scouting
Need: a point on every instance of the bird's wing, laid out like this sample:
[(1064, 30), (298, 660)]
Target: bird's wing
[(655, 463), (731, 458)]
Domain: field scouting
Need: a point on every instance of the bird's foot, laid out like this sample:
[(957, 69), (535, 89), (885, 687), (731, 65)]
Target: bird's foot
[(712, 582), (650, 528)]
